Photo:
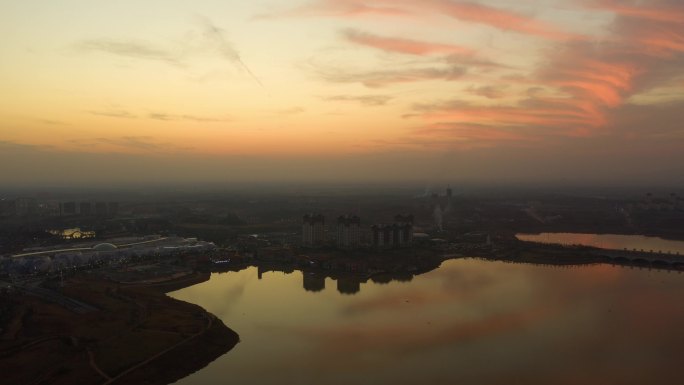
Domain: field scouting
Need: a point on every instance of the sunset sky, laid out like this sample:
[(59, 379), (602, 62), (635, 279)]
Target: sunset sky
[(215, 90)]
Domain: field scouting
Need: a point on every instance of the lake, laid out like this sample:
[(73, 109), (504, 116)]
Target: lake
[(608, 241), (468, 322)]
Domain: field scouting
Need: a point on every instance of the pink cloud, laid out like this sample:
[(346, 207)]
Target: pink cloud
[(661, 13), (501, 19), (340, 8), (406, 46), (463, 10)]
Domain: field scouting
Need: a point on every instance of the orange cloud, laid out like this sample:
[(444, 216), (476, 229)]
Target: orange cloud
[(663, 13), (345, 8), (596, 77), (472, 133), (532, 112), (501, 19), (406, 46), (462, 10)]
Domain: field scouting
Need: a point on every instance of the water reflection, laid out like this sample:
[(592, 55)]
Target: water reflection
[(469, 321), (348, 285), (609, 241), (314, 282)]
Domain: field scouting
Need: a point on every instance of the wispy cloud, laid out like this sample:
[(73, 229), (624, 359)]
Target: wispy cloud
[(401, 45), (131, 49), (501, 19), (114, 113), (490, 91), (346, 8), (291, 111), (467, 11), (226, 49), (580, 89), (656, 10), (163, 116), (191, 118), (368, 100), (11, 146), (212, 40), (382, 78), (135, 142)]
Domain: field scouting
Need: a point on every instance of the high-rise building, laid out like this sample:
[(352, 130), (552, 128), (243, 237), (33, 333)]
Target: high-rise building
[(113, 208), (25, 206), (67, 208), (313, 230), (383, 236), (396, 235), (85, 208), (101, 208), (348, 232), (404, 230)]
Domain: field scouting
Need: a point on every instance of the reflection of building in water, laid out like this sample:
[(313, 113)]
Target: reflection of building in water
[(284, 269), (398, 234), (313, 282), (313, 230), (348, 232), (349, 285)]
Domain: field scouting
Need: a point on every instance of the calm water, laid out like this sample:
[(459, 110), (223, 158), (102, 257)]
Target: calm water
[(608, 241), (468, 322)]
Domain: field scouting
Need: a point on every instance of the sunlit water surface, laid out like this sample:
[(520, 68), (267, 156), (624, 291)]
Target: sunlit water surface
[(609, 241), (468, 322)]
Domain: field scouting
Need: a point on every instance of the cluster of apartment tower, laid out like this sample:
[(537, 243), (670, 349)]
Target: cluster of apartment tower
[(348, 232)]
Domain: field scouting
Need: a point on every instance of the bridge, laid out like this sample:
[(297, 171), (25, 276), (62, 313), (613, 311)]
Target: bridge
[(641, 257)]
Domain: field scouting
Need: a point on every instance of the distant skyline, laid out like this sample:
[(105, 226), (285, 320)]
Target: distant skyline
[(491, 91)]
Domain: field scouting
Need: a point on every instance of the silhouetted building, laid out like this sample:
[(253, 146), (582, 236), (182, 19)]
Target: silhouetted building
[(25, 206), (101, 209), (399, 234), (85, 208), (89, 208), (404, 230), (441, 207), (113, 208), (313, 230), (7, 207), (348, 232), (67, 208), (382, 236)]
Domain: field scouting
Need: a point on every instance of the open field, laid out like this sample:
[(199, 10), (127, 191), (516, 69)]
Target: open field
[(135, 330)]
